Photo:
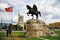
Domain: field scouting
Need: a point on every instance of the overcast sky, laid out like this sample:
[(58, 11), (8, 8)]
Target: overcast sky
[(50, 10)]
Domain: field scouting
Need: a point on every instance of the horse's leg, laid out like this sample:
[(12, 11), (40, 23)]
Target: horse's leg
[(28, 13), (32, 16), (39, 13), (36, 16)]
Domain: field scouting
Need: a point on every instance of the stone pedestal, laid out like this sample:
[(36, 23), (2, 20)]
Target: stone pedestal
[(37, 28)]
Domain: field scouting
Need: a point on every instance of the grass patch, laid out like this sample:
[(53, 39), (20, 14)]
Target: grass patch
[(52, 38), (19, 34), (57, 31), (2, 34)]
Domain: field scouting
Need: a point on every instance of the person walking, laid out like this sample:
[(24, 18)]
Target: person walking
[(9, 30)]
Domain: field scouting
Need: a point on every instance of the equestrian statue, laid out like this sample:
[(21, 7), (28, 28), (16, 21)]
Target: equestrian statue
[(33, 11)]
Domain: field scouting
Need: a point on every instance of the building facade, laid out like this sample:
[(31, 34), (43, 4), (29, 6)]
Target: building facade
[(56, 24)]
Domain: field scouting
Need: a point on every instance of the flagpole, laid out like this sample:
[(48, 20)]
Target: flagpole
[(12, 19)]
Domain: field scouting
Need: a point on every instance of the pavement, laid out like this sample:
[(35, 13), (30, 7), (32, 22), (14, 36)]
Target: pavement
[(14, 31)]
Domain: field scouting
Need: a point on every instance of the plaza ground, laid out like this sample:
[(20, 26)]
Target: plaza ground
[(20, 35)]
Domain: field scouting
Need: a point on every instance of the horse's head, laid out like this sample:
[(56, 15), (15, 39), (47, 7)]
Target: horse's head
[(28, 7)]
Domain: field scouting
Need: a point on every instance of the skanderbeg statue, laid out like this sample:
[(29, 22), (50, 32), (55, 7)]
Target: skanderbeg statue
[(36, 28), (33, 11)]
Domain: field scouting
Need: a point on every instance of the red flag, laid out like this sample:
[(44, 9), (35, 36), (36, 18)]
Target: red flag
[(9, 9)]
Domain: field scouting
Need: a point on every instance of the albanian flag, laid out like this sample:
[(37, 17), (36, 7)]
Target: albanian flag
[(9, 9)]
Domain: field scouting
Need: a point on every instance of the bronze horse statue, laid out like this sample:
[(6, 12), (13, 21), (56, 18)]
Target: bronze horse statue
[(33, 11)]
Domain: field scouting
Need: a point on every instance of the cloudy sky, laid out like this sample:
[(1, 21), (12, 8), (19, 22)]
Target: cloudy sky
[(50, 10)]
